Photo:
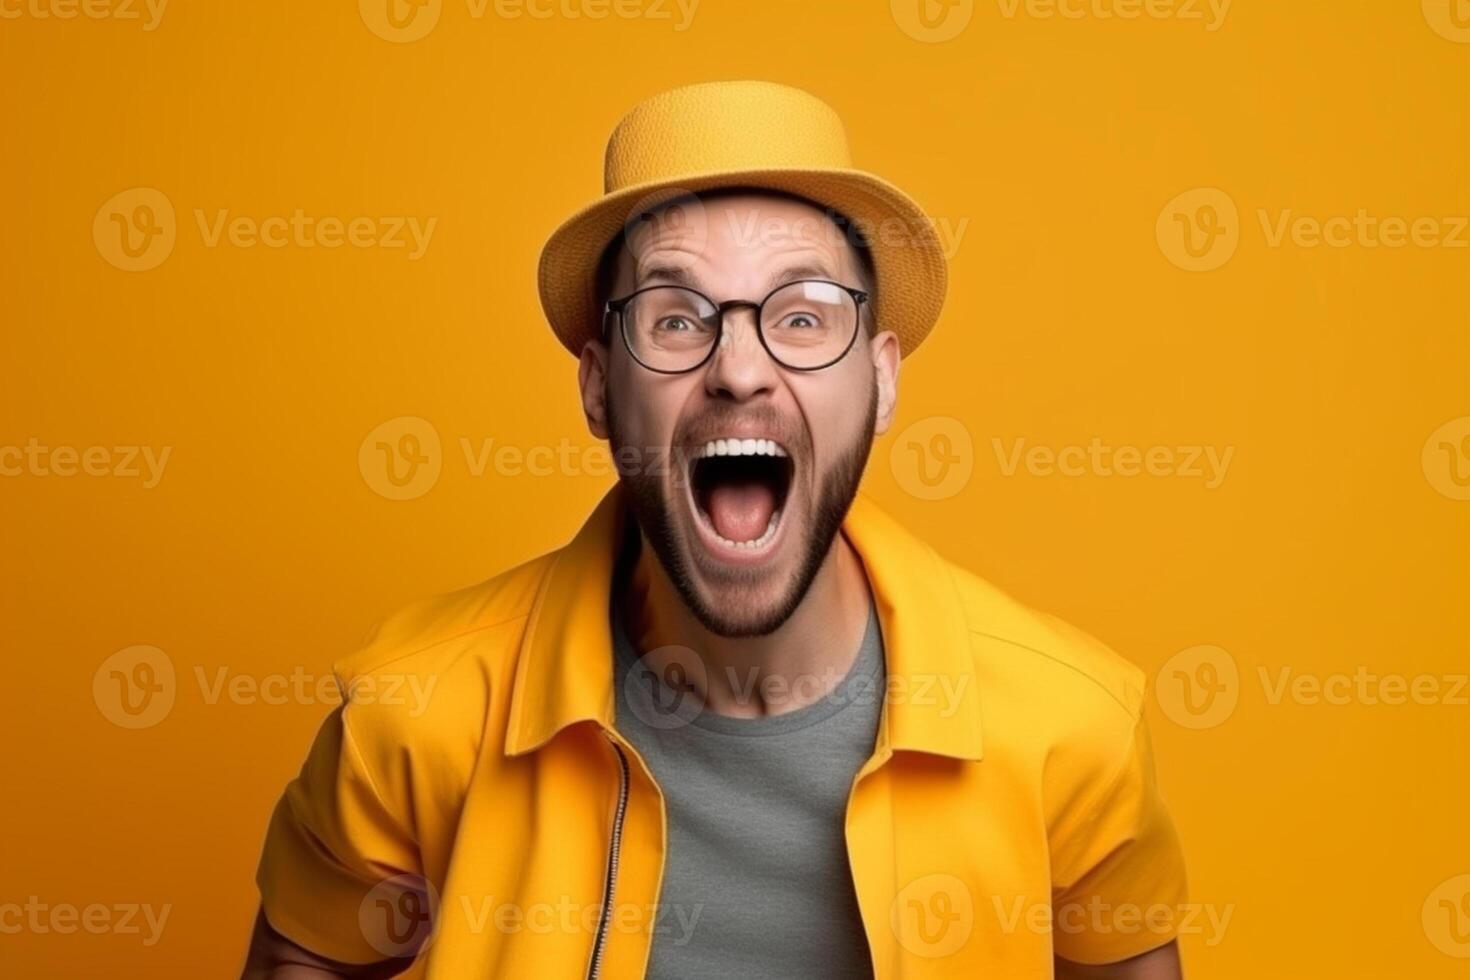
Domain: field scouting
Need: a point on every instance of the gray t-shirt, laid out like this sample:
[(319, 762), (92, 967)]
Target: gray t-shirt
[(756, 880)]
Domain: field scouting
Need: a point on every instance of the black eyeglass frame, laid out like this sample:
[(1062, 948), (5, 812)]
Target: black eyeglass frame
[(617, 306)]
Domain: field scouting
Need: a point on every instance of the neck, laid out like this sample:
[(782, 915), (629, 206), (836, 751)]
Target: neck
[(754, 676)]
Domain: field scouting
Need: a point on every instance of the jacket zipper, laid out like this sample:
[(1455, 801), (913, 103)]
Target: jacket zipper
[(594, 969), (880, 756)]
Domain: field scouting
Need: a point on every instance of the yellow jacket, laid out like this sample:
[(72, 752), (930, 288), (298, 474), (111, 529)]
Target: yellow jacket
[(1008, 812)]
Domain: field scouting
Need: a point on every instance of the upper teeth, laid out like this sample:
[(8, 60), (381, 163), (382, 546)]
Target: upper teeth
[(740, 447)]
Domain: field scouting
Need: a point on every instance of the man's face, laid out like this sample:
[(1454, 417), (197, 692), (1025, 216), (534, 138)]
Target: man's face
[(740, 533)]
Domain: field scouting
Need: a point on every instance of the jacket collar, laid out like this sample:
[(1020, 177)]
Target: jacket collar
[(565, 668)]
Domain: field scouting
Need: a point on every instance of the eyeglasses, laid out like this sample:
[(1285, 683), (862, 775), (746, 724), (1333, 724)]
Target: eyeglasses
[(804, 325)]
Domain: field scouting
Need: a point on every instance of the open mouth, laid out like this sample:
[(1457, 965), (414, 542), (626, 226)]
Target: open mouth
[(739, 487)]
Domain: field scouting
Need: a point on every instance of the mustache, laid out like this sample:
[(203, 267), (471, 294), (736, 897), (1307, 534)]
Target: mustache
[(717, 423)]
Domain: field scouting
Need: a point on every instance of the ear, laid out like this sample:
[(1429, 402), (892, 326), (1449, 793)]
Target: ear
[(886, 356), (592, 378)]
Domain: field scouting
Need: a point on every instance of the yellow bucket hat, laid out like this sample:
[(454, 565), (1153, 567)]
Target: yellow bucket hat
[(743, 134)]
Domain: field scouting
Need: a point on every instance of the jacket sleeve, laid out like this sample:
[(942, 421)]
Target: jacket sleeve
[(340, 873), (1118, 879)]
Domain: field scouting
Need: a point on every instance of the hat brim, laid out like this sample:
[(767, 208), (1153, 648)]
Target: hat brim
[(908, 258)]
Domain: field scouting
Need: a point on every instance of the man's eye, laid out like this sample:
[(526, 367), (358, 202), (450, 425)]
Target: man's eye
[(800, 320), (676, 323)]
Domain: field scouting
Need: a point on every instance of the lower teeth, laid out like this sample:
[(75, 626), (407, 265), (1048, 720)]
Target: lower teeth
[(751, 545)]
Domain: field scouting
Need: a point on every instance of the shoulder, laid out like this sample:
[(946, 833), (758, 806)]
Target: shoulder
[(1009, 635), (444, 632), (1051, 695), (424, 691)]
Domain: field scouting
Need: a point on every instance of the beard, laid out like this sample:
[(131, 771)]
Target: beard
[(651, 498)]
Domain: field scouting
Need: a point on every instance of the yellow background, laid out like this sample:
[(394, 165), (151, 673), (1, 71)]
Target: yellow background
[(1052, 144)]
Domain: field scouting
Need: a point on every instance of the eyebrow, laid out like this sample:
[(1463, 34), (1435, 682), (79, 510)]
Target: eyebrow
[(679, 276), (807, 270), (671, 274)]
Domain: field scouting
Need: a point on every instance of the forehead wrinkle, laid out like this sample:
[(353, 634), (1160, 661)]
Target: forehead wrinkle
[(774, 263), (672, 262), (807, 257), (667, 256)]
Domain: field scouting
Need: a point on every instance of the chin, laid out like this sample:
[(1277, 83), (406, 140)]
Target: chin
[(742, 605), (741, 520)]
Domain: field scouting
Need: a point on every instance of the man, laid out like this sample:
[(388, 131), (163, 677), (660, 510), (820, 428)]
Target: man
[(743, 725)]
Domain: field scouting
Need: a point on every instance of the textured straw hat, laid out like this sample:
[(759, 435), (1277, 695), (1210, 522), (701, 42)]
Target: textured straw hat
[(743, 134)]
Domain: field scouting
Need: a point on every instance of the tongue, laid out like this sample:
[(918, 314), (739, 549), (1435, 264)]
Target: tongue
[(741, 511)]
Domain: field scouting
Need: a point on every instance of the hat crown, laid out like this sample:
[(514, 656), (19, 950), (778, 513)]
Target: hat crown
[(724, 126), (747, 134)]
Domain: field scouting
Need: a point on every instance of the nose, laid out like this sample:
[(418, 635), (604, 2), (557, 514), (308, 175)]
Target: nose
[(740, 368)]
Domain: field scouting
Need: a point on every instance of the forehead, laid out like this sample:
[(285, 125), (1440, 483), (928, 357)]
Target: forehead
[(735, 236)]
